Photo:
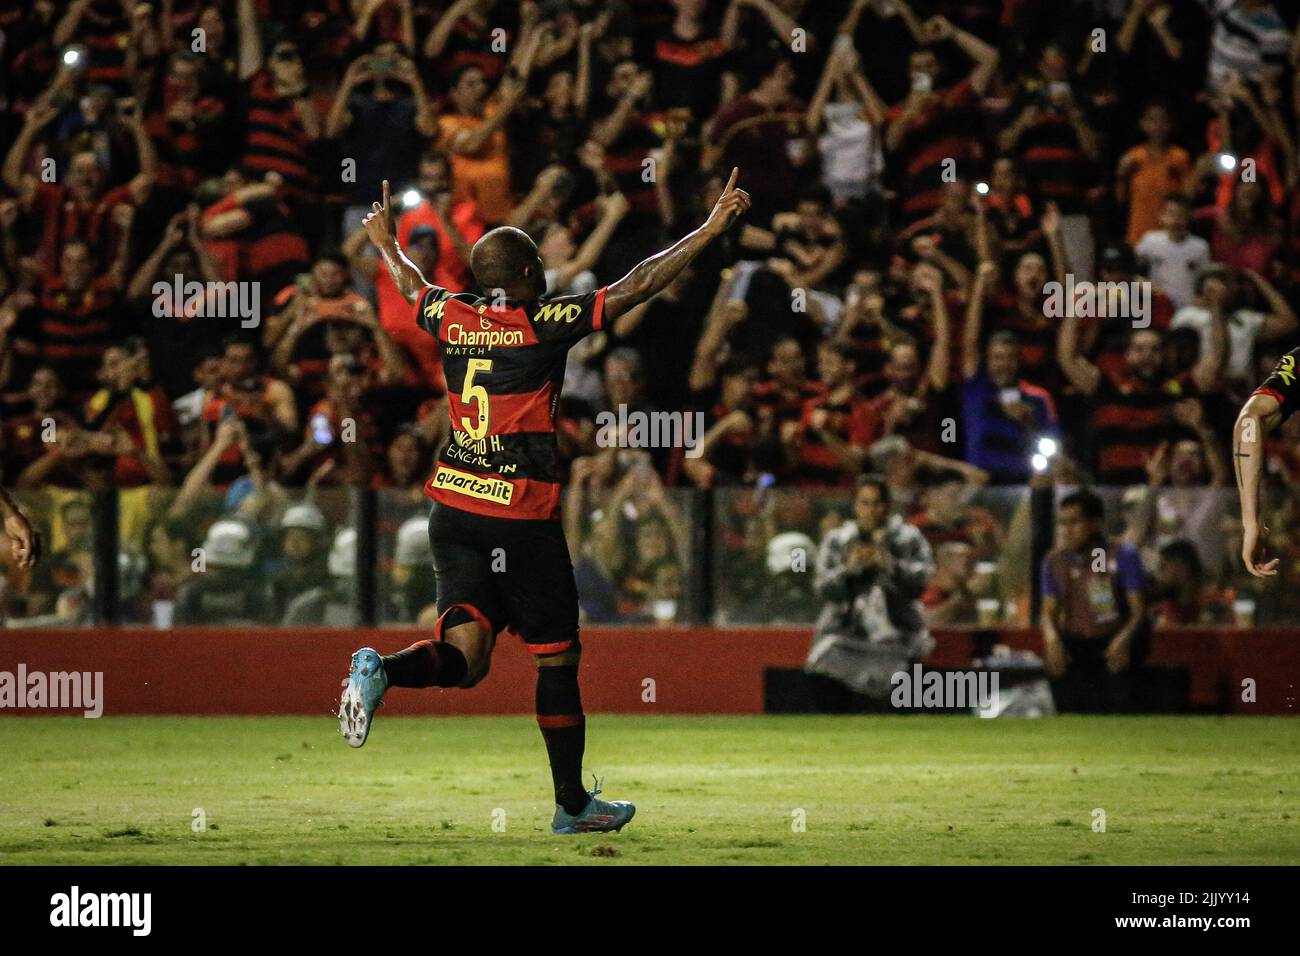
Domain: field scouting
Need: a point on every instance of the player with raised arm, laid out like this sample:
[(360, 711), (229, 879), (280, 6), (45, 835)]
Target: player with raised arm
[(498, 545), (1268, 406), (24, 540)]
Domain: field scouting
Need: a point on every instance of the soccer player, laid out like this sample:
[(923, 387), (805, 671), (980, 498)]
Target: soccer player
[(1268, 406), (24, 540), (498, 546)]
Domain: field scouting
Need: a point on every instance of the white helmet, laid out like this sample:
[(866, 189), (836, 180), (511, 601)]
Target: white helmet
[(342, 561), (305, 516), (229, 544), (782, 549), (413, 543)]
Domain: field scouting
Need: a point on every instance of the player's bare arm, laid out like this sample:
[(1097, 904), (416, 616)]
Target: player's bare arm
[(24, 540), (654, 274), (1260, 415), (381, 227)]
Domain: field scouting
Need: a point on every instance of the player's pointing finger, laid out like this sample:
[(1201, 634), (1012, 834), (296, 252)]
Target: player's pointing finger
[(385, 193), (731, 183)]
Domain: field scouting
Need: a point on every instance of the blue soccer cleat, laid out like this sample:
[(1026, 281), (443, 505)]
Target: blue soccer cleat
[(598, 816), (363, 693)]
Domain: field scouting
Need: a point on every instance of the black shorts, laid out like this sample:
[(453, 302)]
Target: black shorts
[(507, 574)]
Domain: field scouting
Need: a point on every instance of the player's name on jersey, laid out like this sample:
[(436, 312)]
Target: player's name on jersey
[(475, 451)]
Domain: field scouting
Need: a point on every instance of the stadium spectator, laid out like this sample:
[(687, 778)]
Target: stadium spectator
[(1219, 290), (1009, 213), (1150, 171), (732, 431), (228, 591), (948, 600), (912, 404), (283, 120), (1094, 612), (852, 160), (83, 210), (29, 443), (946, 514), (1250, 40), (331, 603), (139, 423), (1131, 411), (251, 231), (405, 465), (299, 567), (1171, 255), (474, 132), (76, 315), (762, 131), (935, 124), (836, 427), (871, 573), (380, 117), (180, 328), (1183, 596), (1246, 234), (457, 224), (805, 247), (1004, 415)]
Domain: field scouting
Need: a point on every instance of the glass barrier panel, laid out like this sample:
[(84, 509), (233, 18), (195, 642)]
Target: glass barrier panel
[(59, 591), (245, 556)]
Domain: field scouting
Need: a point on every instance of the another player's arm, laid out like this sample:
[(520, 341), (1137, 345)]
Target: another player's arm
[(24, 540), (1261, 413), (654, 274), (381, 227)]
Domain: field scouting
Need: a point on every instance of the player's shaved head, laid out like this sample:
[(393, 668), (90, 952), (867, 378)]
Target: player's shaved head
[(506, 258)]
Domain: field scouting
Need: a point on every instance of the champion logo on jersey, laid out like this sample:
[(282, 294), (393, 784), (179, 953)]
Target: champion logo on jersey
[(492, 337)]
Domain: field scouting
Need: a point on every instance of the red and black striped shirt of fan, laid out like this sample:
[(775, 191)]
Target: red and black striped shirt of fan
[(504, 364)]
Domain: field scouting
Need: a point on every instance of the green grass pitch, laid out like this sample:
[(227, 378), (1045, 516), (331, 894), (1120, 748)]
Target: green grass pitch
[(709, 790)]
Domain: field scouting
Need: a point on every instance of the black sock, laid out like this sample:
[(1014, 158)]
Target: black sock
[(426, 664), (563, 726)]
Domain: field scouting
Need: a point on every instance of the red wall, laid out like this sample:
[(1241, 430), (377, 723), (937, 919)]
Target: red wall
[(695, 670)]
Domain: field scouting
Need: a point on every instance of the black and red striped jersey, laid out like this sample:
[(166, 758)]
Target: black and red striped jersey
[(1282, 383), (504, 363)]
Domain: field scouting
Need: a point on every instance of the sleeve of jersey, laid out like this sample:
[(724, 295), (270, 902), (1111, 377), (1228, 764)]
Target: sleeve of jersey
[(1282, 383), (567, 318), (428, 310)]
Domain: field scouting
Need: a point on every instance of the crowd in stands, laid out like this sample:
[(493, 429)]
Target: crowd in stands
[(922, 174)]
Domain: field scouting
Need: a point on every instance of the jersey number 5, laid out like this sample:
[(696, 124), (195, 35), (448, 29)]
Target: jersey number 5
[(477, 394)]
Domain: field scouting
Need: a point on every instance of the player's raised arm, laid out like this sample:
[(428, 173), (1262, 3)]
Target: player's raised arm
[(381, 227), (1261, 413), (654, 274)]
